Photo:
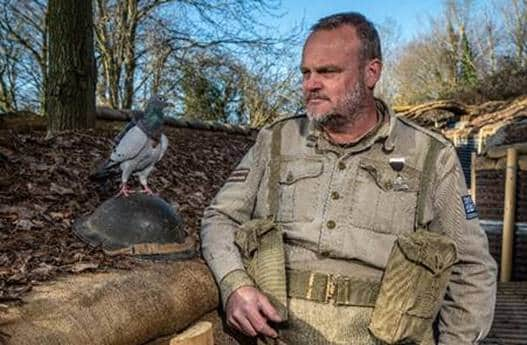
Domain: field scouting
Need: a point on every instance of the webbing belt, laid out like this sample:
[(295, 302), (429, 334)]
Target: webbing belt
[(331, 288)]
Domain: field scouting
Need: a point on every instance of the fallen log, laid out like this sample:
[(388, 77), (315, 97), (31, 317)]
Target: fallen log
[(115, 308), (109, 114), (26, 121)]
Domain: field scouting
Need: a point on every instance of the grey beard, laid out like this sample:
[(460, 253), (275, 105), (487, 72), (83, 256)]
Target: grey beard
[(327, 120), (350, 106)]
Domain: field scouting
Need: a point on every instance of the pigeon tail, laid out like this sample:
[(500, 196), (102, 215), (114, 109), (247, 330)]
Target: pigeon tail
[(107, 171)]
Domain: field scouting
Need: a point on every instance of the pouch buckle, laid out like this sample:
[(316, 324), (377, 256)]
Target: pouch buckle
[(331, 287)]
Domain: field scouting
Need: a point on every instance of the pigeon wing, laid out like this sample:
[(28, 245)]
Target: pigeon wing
[(123, 132), (130, 146), (164, 146), (159, 151)]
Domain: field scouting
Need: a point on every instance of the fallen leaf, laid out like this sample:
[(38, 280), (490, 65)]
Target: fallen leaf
[(55, 188), (56, 215), (47, 187), (20, 211), (41, 167), (24, 224), (83, 266), (44, 269)]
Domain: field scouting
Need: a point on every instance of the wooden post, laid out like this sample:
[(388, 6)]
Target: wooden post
[(480, 141), (473, 176), (199, 334), (509, 215)]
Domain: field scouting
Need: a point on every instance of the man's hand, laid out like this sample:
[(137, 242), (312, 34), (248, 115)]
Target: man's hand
[(248, 310)]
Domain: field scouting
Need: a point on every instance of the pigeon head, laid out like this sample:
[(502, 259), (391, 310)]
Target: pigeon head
[(155, 105), (153, 119)]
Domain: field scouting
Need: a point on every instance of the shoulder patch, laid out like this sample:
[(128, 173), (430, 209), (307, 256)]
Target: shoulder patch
[(239, 175), (437, 136), (470, 208), (285, 118)]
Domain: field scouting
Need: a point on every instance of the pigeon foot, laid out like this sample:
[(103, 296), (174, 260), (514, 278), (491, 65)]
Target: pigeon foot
[(148, 191), (124, 191)]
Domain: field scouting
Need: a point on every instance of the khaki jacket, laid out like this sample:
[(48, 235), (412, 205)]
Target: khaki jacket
[(342, 208)]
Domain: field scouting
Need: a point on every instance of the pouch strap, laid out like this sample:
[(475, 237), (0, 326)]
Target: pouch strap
[(274, 170), (426, 179), (247, 237)]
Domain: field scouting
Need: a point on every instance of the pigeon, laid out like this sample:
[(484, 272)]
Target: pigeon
[(138, 147)]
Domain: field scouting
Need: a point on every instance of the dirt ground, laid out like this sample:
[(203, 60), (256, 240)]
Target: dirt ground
[(44, 187)]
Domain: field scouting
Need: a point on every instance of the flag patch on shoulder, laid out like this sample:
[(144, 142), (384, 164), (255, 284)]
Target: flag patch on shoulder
[(239, 175), (470, 208)]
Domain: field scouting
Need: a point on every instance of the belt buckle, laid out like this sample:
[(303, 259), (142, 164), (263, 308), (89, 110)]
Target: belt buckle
[(310, 283), (331, 287)]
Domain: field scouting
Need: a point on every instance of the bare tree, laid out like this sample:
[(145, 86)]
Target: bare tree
[(116, 33), (389, 32), (515, 22), (144, 46), (267, 94), (23, 27), (9, 55), (488, 41), (440, 60), (124, 29)]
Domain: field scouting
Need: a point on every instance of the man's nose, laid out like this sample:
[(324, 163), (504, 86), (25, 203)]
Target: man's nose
[(312, 82)]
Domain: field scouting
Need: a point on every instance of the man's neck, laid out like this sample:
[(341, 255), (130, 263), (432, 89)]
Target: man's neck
[(353, 130)]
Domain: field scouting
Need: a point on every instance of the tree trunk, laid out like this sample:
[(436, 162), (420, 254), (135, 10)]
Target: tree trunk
[(70, 87), (43, 63), (113, 76)]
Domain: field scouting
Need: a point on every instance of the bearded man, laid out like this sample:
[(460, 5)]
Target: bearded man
[(381, 241)]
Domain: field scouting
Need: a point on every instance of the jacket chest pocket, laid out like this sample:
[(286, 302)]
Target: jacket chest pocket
[(384, 200), (299, 194)]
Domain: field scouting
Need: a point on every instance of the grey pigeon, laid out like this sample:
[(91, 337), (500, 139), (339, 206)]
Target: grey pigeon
[(139, 146)]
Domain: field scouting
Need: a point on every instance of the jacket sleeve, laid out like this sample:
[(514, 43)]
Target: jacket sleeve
[(232, 206), (468, 308)]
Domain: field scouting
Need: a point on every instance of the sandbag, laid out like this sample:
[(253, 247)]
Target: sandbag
[(117, 308)]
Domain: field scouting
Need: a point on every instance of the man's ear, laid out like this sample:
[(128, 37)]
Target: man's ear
[(372, 72)]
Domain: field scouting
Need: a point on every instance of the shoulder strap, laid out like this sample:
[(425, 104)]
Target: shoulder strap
[(274, 170), (426, 179)]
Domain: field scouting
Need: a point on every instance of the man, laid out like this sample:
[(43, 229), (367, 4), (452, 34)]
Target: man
[(349, 185)]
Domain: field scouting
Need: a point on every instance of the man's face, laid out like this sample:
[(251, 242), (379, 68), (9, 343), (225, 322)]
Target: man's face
[(333, 76)]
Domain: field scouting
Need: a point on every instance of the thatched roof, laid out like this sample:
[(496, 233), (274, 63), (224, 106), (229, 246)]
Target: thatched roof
[(483, 119)]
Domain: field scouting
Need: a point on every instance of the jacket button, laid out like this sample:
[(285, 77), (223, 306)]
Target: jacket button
[(331, 224), (341, 166), (335, 195)]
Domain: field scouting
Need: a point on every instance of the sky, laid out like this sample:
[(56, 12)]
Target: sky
[(410, 15)]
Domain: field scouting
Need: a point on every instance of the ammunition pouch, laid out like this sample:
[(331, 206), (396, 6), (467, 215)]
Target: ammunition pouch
[(262, 248), (413, 287)]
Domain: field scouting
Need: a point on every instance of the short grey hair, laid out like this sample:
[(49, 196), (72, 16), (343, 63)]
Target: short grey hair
[(368, 35)]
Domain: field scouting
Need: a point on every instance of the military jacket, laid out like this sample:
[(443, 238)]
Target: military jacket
[(342, 208)]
